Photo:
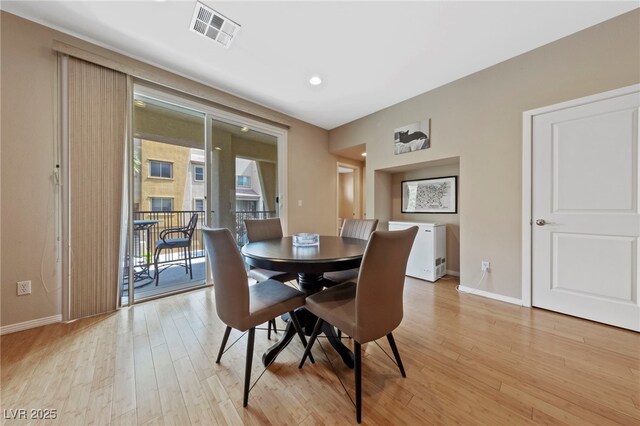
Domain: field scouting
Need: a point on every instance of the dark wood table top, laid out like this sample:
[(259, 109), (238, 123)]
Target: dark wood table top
[(332, 254)]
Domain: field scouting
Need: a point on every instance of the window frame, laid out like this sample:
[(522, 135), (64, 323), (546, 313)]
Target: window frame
[(195, 173), (151, 199), (161, 162), (238, 185)]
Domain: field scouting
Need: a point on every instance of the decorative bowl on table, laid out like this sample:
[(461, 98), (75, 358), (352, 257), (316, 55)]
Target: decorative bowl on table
[(306, 240)]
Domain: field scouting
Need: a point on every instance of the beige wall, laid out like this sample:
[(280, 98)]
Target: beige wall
[(29, 125), (451, 220), (479, 119)]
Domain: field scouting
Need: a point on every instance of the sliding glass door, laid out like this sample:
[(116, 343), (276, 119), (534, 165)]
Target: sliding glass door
[(192, 165), (244, 176), (168, 208)]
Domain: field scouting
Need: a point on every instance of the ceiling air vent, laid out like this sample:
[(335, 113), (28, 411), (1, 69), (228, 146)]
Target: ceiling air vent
[(214, 25)]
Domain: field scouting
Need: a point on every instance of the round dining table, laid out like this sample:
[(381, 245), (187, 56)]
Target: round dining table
[(310, 262)]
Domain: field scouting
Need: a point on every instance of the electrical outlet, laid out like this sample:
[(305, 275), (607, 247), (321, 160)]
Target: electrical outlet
[(485, 265), (24, 288)]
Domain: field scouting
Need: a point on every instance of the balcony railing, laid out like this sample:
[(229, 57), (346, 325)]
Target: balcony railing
[(143, 251)]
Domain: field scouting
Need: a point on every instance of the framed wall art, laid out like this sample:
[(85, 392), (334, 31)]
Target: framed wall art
[(412, 137), (436, 195)]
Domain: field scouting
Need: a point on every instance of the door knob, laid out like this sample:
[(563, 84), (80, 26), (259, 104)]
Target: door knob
[(540, 222)]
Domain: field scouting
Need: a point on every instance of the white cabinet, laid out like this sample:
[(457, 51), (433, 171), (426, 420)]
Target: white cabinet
[(427, 260)]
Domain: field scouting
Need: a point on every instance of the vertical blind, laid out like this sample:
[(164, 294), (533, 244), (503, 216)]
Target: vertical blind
[(97, 118)]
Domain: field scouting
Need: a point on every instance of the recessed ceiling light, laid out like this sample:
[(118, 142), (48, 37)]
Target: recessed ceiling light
[(364, 154), (244, 129), (315, 80)]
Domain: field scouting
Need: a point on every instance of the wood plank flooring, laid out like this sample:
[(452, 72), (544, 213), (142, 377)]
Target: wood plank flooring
[(469, 360)]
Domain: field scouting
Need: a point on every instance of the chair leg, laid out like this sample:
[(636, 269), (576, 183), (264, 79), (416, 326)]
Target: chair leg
[(358, 373), (394, 348), (190, 265), (312, 340), (339, 333), (223, 344), (186, 261), (296, 325), (156, 257), (271, 324), (247, 368)]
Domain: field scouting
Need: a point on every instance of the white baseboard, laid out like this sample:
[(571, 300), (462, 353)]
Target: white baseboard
[(490, 295), (453, 273), (12, 328)]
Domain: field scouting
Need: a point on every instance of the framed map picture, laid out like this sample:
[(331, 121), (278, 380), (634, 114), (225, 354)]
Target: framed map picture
[(437, 195)]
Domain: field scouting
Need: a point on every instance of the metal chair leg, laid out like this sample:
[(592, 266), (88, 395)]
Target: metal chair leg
[(312, 340), (186, 261), (223, 344), (358, 374), (156, 257), (247, 368), (394, 348), (190, 265), (296, 325), (270, 324)]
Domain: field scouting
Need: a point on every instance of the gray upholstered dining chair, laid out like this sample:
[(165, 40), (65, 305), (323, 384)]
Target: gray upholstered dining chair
[(351, 228), (239, 305), (260, 230), (372, 308)]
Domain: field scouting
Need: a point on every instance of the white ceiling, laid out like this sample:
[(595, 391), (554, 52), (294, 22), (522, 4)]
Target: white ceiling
[(370, 55)]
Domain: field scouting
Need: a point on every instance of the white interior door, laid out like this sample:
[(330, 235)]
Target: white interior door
[(585, 211)]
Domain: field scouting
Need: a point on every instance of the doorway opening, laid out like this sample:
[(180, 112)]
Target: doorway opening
[(168, 201), (349, 190)]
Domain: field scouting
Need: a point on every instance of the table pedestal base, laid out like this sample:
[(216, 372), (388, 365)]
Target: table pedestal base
[(309, 284)]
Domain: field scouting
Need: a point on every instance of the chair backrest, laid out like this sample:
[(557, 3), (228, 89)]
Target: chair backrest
[(358, 228), (263, 229), (191, 226), (381, 283), (229, 277)]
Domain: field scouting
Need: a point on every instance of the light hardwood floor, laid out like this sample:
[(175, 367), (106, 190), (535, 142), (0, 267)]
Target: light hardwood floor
[(469, 360)]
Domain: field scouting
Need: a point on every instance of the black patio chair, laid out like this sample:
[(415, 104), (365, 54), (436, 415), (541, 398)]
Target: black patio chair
[(183, 242)]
